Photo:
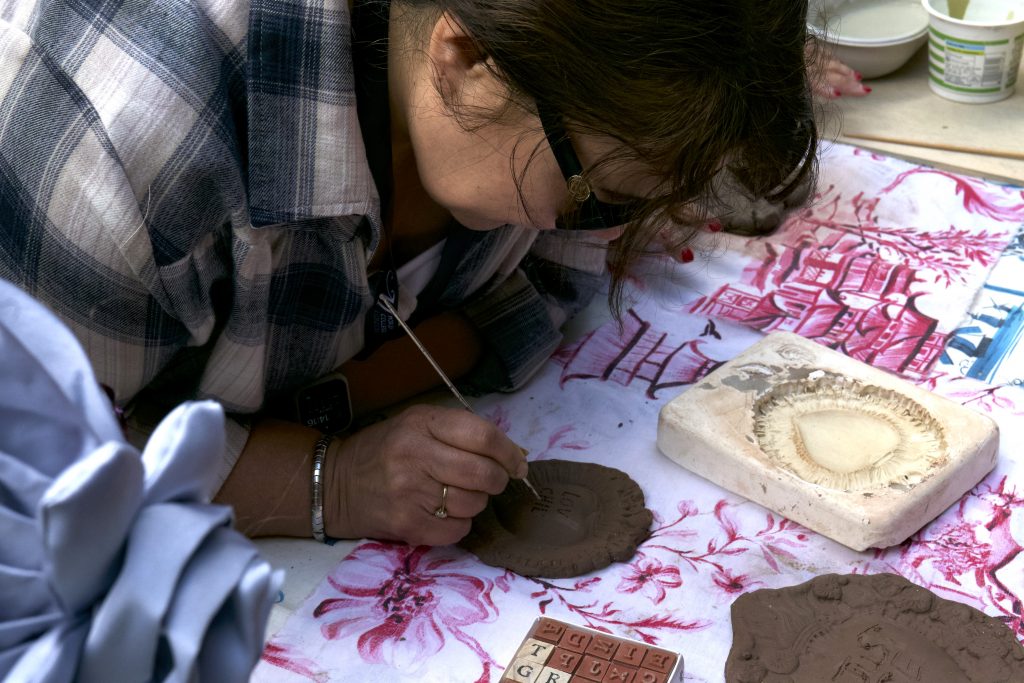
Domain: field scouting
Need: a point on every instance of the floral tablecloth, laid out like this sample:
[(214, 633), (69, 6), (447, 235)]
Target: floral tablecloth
[(911, 269)]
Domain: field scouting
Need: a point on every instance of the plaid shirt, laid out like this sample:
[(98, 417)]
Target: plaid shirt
[(184, 183)]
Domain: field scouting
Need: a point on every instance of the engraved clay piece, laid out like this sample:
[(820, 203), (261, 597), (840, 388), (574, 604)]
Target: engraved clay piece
[(588, 517), (867, 629)]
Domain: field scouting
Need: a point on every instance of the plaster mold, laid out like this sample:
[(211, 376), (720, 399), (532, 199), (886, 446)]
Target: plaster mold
[(850, 451)]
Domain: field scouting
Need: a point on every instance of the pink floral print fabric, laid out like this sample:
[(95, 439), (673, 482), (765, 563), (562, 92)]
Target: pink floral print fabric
[(886, 265)]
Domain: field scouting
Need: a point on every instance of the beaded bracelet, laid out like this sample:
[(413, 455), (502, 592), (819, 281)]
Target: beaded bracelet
[(319, 454)]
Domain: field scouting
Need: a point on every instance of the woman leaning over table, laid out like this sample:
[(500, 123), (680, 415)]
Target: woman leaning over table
[(212, 194)]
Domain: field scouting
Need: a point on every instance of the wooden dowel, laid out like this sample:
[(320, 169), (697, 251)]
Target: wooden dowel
[(1002, 153)]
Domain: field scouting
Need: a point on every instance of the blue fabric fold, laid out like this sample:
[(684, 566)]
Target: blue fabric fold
[(114, 566), (85, 516), (138, 601)]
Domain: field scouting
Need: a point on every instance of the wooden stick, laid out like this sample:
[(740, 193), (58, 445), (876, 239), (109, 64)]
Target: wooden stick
[(437, 368), (1003, 153)]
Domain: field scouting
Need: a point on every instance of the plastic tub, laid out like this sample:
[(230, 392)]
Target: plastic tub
[(975, 58)]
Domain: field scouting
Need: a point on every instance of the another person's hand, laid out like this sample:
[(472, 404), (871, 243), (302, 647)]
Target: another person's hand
[(830, 78), (386, 481), (839, 81)]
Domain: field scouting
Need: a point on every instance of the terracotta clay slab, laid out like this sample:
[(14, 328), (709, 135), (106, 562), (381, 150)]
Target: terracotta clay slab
[(558, 652), (587, 517), (867, 629), (852, 452)]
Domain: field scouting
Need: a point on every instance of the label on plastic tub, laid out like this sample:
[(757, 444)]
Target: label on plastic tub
[(974, 67)]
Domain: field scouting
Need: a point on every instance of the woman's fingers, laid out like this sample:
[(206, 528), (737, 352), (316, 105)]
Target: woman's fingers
[(472, 434), (845, 81), (466, 470), (831, 78), (440, 532), (458, 503), (420, 523), (388, 480)]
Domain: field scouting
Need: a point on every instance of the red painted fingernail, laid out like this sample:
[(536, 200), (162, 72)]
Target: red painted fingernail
[(836, 92), (856, 74), (686, 255), (867, 89), (715, 226)]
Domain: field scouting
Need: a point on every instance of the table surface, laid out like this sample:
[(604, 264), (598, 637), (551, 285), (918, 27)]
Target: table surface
[(898, 99), (902, 117)]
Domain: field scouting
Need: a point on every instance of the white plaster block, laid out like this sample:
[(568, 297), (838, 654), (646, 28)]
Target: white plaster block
[(852, 452)]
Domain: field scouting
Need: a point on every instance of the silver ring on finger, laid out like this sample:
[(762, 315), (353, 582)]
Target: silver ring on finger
[(442, 512)]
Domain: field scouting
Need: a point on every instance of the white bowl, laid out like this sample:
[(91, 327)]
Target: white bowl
[(875, 37)]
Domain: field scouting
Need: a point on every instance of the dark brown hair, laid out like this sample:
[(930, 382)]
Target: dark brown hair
[(687, 86)]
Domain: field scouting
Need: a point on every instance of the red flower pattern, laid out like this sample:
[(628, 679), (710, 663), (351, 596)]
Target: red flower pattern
[(732, 584), (401, 602), (970, 552), (979, 197), (282, 657), (650, 577)]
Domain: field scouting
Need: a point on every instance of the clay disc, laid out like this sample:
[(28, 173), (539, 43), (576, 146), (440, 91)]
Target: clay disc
[(588, 517), (866, 628)]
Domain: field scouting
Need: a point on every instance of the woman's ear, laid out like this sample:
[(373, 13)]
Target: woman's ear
[(461, 69)]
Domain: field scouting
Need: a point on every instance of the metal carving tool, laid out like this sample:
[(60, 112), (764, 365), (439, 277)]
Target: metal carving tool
[(437, 368)]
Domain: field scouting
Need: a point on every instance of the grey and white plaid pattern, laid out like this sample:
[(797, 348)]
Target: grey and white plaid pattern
[(185, 184)]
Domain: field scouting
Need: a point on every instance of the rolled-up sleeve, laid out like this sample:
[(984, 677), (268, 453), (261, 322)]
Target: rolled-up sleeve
[(189, 192)]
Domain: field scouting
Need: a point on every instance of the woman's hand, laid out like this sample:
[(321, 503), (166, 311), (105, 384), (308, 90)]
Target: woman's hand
[(386, 480)]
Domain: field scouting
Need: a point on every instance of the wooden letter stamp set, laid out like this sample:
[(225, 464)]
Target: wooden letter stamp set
[(556, 652)]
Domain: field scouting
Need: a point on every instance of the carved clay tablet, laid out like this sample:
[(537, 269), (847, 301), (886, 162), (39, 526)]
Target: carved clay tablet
[(588, 517), (866, 629)]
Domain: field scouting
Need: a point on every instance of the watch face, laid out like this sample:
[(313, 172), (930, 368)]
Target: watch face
[(325, 406)]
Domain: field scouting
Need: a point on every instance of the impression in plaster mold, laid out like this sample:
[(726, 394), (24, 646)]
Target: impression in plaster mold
[(588, 517), (795, 354), (846, 435), (867, 629)]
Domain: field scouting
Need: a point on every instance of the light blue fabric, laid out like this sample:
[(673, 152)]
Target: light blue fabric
[(114, 566)]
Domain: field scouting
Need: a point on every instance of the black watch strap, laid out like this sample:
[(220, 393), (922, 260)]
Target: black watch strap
[(325, 404)]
